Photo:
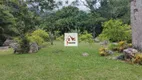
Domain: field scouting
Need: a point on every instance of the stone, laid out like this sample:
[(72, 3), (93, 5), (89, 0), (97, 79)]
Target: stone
[(85, 54), (104, 43), (121, 57), (15, 47), (115, 43), (129, 53), (8, 42), (33, 48), (96, 40), (110, 52)]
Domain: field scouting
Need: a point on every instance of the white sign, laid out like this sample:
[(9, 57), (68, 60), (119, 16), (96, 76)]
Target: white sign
[(71, 39)]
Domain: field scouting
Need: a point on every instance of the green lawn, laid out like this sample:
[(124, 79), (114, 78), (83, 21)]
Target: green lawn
[(65, 63)]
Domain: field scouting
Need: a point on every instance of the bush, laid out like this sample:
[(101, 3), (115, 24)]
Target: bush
[(103, 51), (23, 44), (113, 47), (115, 30), (120, 46), (138, 59), (41, 33), (39, 40), (39, 36), (86, 37)]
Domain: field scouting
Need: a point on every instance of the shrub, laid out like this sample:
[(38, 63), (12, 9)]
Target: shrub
[(120, 46), (86, 37), (41, 33), (17, 39), (39, 40), (115, 30), (103, 51), (23, 44), (121, 43), (39, 36), (113, 47), (138, 59), (130, 45)]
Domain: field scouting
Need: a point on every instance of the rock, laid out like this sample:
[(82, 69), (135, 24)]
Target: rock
[(129, 53), (96, 40), (15, 47), (8, 42), (104, 43), (33, 48), (115, 43), (85, 54), (110, 52), (121, 57)]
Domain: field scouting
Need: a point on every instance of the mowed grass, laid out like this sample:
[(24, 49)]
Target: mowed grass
[(65, 63)]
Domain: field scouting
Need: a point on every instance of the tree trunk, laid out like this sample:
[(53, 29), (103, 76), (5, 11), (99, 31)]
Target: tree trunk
[(51, 36), (136, 23)]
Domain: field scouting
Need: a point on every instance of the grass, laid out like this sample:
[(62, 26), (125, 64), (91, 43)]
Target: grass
[(65, 63)]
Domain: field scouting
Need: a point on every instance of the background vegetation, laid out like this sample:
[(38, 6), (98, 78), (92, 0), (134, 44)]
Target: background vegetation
[(19, 17)]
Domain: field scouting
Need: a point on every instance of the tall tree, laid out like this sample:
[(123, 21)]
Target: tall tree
[(136, 23), (115, 9), (7, 22)]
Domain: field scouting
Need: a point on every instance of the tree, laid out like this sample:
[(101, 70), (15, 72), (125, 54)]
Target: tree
[(115, 9), (7, 22), (42, 5), (136, 18), (15, 16)]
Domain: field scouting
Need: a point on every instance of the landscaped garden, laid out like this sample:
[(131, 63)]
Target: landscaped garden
[(65, 63), (70, 40)]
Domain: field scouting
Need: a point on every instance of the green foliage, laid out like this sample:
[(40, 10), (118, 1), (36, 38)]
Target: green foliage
[(115, 9), (41, 33), (6, 21), (44, 4), (23, 42), (113, 30), (86, 37), (103, 51), (39, 36), (120, 46), (39, 40), (60, 38), (113, 47), (24, 45), (71, 18), (138, 59)]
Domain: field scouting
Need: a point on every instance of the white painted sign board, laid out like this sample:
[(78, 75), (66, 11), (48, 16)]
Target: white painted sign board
[(70, 39)]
